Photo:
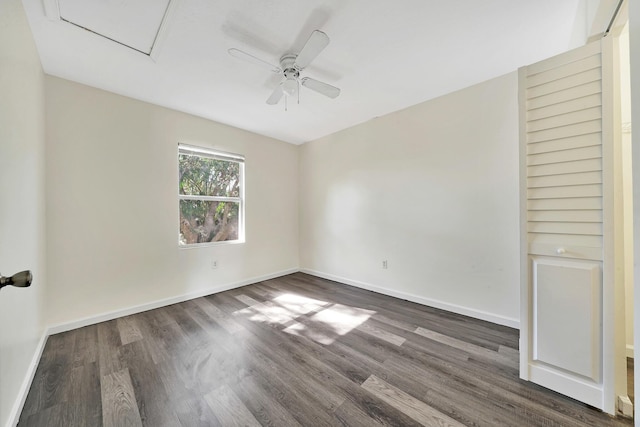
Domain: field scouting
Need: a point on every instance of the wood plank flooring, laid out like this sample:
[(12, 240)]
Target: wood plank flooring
[(293, 351)]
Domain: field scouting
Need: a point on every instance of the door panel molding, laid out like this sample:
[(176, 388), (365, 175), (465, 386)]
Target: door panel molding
[(567, 311)]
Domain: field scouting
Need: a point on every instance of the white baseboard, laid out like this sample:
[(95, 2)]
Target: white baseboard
[(630, 350), (14, 416), (466, 311), (103, 317)]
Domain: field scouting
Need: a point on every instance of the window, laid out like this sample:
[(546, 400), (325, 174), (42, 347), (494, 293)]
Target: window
[(211, 193)]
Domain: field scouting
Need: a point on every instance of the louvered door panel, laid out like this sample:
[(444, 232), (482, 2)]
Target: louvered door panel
[(566, 216), (566, 179), (570, 118), (566, 191), (578, 228), (567, 131), (569, 94), (565, 143), (564, 238), (538, 78), (564, 83), (580, 203), (564, 153), (562, 169), (566, 107)]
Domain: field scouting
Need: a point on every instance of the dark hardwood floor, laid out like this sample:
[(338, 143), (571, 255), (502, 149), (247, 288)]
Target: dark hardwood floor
[(293, 351)]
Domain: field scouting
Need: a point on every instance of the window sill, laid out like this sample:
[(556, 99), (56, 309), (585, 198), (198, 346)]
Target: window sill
[(211, 244)]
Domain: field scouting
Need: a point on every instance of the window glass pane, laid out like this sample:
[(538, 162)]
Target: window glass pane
[(205, 221), (201, 176)]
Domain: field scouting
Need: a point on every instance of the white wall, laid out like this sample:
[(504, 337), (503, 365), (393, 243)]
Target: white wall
[(433, 190), (634, 48), (21, 201), (112, 209)]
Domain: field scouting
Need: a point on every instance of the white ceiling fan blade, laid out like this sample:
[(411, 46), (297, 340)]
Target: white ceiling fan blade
[(240, 54), (320, 87), (316, 43), (275, 96)]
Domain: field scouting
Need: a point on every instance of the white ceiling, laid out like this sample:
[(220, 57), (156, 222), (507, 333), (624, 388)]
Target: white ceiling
[(385, 55)]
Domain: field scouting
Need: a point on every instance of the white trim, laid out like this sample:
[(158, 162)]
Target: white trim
[(601, 19), (210, 153), (210, 244), (14, 415), (525, 292), (103, 317), (613, 337), (454, 308), (163, 31), (51, 9), (210, 198), (195, 150), (569, 385), (630, 351)]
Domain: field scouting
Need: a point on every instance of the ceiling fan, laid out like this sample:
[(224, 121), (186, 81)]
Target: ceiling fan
[(290, 67)]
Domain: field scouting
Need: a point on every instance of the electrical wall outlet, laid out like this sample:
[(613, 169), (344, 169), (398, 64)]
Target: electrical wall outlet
[(214, 264), (384, 264)]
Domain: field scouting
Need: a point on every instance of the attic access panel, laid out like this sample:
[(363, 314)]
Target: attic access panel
[(132, 23)]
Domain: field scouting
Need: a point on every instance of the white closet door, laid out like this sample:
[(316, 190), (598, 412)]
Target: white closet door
[(561, 115)]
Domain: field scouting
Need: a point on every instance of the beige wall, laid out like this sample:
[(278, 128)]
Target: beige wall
[(433, 190), (634, 47), (112, 209), (21, 202)]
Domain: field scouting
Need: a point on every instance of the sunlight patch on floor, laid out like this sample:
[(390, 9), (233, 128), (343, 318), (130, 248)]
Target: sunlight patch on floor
[(299, 304), (332, 322), (281, 310), (342, 318), (263, 312), (320, 321)]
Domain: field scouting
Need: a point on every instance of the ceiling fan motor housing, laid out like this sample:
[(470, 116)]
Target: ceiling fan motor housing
[(287, 63)]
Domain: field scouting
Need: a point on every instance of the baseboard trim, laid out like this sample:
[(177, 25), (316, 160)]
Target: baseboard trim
[(14, 416), (103, 317), (466, 311), (630, 350)]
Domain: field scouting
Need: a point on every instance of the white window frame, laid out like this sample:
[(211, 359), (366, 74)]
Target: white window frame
[(219, 155)]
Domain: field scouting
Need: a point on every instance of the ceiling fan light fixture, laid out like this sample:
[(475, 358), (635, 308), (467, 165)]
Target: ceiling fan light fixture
[(291, 65), (290, 86)]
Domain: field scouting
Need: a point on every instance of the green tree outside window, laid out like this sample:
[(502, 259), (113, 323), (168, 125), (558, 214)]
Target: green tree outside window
[(210, 196)]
